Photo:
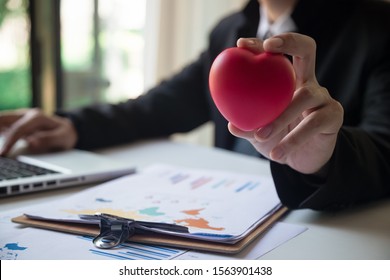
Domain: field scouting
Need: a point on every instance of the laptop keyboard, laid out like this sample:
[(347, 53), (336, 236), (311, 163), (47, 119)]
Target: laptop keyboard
[(12, 169)]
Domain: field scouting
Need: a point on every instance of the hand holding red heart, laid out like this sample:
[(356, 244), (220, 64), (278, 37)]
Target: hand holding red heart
[(251, 89), (304, 135)]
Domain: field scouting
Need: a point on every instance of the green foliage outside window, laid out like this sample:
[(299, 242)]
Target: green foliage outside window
[(15, 89), (15, 78)]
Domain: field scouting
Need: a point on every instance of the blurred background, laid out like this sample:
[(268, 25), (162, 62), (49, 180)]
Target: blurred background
[(62, 54)]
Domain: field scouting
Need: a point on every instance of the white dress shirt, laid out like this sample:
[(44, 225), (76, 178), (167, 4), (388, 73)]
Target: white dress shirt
[(267, 29)]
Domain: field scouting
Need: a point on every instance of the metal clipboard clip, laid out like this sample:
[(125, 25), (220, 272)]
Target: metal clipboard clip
[(116, 230)]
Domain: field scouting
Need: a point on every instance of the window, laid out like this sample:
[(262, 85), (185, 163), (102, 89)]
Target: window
[(15, 66), (102, 46)]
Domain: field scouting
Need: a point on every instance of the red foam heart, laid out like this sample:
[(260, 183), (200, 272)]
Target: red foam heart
[(251, 90)]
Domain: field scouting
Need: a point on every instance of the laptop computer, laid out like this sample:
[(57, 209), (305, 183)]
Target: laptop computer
[(21, 174)]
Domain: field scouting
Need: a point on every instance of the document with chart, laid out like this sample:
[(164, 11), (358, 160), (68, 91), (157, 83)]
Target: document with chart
[(213, 205)]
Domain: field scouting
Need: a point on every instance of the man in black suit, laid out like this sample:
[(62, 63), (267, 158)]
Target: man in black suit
[(328, 150)]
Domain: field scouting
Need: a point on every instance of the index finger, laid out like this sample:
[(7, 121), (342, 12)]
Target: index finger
[(23, 127), (253, 44), (13, 134), (303, 50), (7, 118)]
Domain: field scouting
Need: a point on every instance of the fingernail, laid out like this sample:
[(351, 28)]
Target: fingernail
[(277, 153), (246, 41), (276, 42), (264, 132), (251, 42)]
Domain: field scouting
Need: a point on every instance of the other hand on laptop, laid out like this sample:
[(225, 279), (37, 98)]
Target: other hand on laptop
[(41, 132)]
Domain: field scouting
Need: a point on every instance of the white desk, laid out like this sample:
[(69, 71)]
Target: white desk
[(360, 233)]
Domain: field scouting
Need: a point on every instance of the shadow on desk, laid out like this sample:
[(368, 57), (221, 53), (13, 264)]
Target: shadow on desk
[(371, 218)]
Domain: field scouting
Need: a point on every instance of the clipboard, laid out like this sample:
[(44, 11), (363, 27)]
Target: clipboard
[(159, 239)]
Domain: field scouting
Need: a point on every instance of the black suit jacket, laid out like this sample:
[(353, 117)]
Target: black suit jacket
[(352, 63)]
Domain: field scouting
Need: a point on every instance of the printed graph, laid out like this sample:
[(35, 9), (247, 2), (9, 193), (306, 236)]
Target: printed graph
[(207, 202), (134, 251), (85, 249)]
